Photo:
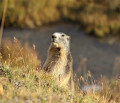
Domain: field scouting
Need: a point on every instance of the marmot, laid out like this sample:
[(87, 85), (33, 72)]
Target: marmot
[(59, 60)]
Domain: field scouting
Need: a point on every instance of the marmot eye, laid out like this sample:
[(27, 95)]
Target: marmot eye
[(63, 35)]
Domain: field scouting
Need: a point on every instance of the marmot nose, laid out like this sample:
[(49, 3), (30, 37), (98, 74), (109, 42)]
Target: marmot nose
[(53, 36)]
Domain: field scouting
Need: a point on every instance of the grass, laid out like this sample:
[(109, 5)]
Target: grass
[(22, 81), (3, 20), (21, 77)]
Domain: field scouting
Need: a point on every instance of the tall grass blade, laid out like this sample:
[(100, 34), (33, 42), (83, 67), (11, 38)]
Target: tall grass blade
[(3, 20)]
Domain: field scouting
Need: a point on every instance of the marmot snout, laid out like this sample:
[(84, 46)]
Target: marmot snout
[(60, 40)]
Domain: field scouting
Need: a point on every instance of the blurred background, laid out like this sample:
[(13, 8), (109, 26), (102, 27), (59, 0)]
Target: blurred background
[(94, 27)]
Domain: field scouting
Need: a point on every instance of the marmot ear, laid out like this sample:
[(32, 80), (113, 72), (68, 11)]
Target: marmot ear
[(68, 38)]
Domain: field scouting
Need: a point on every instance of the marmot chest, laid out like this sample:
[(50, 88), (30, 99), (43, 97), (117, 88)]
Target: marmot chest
[(58, 66)]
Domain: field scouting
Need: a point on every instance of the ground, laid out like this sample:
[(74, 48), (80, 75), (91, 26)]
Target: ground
[(22, 81)]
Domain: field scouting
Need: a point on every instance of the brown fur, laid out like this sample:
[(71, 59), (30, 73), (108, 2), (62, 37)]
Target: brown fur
[(59, 64)]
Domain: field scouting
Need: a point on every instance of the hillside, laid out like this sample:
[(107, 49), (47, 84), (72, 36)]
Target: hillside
[(22, 81)]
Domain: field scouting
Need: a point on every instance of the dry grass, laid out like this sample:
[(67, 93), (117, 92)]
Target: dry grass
[(3, 20), (22, 81)]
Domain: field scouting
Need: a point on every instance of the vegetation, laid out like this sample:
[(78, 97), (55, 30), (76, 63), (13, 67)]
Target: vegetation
[(96, 17), (22, 81), (21, 77)]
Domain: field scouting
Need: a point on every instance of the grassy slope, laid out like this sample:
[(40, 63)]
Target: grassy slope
[(22, 81)]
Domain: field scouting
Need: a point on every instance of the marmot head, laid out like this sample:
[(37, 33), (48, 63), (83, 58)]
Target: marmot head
[(60, 40)]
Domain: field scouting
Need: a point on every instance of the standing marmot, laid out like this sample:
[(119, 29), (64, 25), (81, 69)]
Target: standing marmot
[(59, 60)]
